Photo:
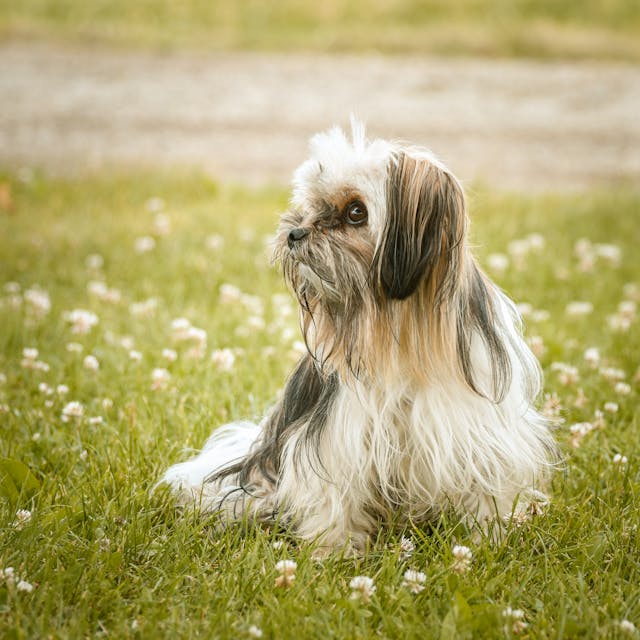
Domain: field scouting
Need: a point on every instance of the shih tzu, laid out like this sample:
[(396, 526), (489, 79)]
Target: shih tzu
[(416, 394)]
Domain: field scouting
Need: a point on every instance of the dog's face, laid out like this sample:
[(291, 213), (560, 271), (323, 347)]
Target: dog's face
[(370, 222)]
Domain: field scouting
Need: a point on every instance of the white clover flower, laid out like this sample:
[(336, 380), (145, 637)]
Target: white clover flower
[(407, 547), (611, 407), (540, 315), (611, 373), (143, 309), (74, 347), (287, 573), (127, 342), (96, 421), (524, 308), (13, 301), (579, 431), (286, 566), (567, 374), (592, 357), (288, 334), (161, 225), (144, 244), (38, 301), (94, 261), (24, 586), (515, 617), (81, 320), (62, 389), (619, 459), (254, 631), (579, 308), (154, 204), (462, 557), (627, 308), (224, 359), (8, 575), (626, 626), (631, 290), (169, 355), (22, 517), (91, 363), (619, 322), (97, 288), (35, 365), (100, 290), (622, 388), (536, 241), (518, 249), (498, 262), (229, 294), (43, 387), (609, 252), (215, 242), (414, 580), (159, 379), (180, 328), (255, 322), (134, 355), (582, 247), (253, 304), (72, 410), (197, 335), (30, 353), (362, 587)]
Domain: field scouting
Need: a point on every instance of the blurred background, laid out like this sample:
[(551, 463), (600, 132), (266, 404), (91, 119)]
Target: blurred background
[(519, 94)]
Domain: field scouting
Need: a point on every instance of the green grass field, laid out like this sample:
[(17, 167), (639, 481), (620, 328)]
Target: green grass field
[(95, 553), (588, 29)]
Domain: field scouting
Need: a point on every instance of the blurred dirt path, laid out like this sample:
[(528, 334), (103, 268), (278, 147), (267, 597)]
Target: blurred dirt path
[(247, 116)]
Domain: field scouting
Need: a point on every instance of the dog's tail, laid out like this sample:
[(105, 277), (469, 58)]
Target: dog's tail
[(227, 445)]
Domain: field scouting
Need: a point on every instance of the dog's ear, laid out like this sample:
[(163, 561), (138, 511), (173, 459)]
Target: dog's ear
[(424, 230)]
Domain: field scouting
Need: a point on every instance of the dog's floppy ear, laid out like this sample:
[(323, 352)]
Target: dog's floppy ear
[(424, 229)]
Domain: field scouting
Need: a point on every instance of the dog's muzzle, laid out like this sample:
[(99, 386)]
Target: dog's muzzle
[(295, 235)]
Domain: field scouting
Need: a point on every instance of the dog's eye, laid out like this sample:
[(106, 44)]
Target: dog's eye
[(356, 212)]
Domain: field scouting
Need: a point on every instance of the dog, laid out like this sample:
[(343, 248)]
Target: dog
[(416, 396)]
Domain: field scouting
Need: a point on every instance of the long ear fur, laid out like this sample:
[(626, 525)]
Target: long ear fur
[(425, 226)]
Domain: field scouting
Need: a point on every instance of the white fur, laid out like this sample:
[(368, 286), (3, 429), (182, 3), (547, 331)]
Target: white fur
[(428, 449), (228, 444)]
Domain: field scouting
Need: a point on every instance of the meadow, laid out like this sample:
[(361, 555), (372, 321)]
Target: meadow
[(548, 29), (139, 312)]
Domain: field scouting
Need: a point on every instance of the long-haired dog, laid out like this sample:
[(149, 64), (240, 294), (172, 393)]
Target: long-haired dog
[(416, 394)]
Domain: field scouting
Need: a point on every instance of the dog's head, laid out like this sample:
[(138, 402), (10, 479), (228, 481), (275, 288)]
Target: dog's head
[(374, 246), (371, 220)]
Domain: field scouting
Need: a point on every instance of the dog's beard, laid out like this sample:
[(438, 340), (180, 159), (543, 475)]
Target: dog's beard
[(331, 280), (324, 268)]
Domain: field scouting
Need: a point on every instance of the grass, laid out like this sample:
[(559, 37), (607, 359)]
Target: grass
[(106, 557), (590, 29)]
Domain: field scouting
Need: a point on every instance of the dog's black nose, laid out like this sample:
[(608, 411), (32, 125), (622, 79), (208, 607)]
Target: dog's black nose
[(296, 234)]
